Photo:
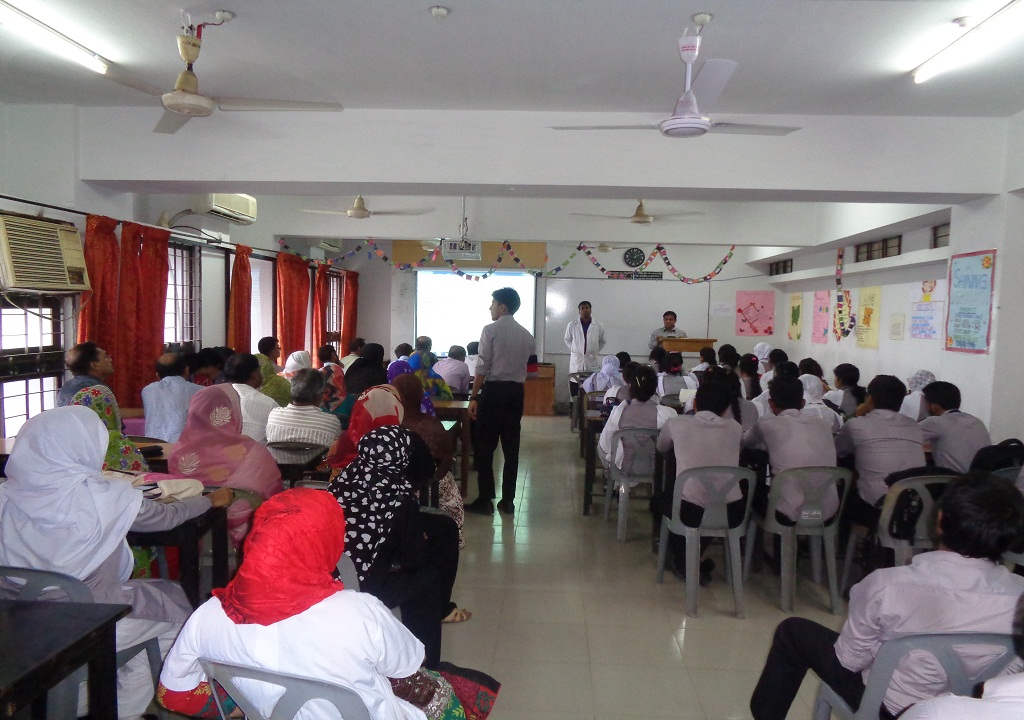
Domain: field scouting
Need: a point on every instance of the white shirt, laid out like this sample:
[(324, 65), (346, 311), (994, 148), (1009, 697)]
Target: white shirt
[(302, 423), (956, 437), (165, 404), (604, 444), (661, 333), (824, 412), (575, 339), (914, 406), (349, 638), (505, 347), (883, 442), (256, 409), (699, 440), (471, 361), (348, 360), (1002, 699), (455, 373), (939, 592)]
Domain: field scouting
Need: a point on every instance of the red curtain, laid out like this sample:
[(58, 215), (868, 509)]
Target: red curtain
[(124, 315), (349, 306), (98, 319), (321, 298), (292, 302), (240, 304)]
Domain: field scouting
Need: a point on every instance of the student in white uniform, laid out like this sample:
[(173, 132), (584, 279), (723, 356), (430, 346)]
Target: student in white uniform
[(848, 393), (914, 405), (641, 410), (955, 436), (813, 405)]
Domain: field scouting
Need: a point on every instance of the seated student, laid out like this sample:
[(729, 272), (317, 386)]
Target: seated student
[(90, 365), (793, 439), (742, 411), (656, 359), (402, 352), (761, 351), (813, 405), (639, 410), (355, 351), (472, 358), (165, 402), (707, 359), (775, 358), (205, 366), (334, 377), (955, 436), (242, 370), (746, 368), (959, 587), (672, 380), (882, 442), (298, 360), (303, 421), (607, 377), (454, 370), (620, 393), (730, 362), (848, 395), (786, 368), (274, 386), (914, 405), (708, 437), (725, 352)]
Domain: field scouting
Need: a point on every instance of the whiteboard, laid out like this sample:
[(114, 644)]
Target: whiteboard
[(629, 310)]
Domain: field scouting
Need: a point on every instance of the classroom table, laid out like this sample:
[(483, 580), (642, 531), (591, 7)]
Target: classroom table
[(458, 410), (44, 642), (296, 459), (593, 424), (186, 538)]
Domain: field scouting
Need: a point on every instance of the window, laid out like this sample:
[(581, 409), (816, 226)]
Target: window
[(877, 249), (182, 311), (335, 298), (940, 236), (31, 358), (262, 317), (781, 267)]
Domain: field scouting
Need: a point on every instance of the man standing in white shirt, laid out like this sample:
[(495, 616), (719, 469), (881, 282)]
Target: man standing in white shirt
[(242, 370), (585, 338), (454, 369), (165, 403)]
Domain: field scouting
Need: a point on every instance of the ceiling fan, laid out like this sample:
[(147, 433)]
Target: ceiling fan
[(688, 121), (640, 217), (359, 211)]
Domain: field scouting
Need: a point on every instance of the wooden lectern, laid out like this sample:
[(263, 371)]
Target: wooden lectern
[(683, 345)]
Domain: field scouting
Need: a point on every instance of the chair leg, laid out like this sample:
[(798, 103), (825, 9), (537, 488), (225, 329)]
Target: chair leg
[(609, 487), (748, 559), (815, 542), (662, 550), (822, 710), (788, 569), (851, 546), (692, 571), (737, 573), (620, 530), (829, 541)]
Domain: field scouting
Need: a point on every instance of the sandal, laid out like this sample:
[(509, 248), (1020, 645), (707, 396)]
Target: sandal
[(457, 615)]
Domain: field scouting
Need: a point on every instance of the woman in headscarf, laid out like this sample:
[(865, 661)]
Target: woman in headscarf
[(377, 407), (365, 372), (761, 351), (607, 377), (813, 404), (335, 390), (284, 612), (433, 384), (432, 432), (298, 360), (404, 557), (274, 386), (121, 453), (401, 367), (914, 405), (59, 513), (213, 450)]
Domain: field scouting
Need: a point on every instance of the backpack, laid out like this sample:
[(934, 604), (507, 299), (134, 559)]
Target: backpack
[(1006, 454)]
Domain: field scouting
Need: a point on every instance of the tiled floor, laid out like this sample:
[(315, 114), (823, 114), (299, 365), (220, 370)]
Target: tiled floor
[(573, 623)]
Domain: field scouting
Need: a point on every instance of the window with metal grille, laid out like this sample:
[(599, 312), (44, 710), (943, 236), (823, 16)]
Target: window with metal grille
[(182, 311), (31, 358), (781, 267), (335, 298), (940, 236), (877, 249)]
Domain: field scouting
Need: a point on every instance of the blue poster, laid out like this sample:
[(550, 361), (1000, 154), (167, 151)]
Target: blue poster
[(968, 322)]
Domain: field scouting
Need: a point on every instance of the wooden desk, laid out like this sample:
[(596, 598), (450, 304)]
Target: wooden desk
[(593, 424), (458, 410), (295, 459), (682, 345), (539, 392), (186, 538), (44, 642)]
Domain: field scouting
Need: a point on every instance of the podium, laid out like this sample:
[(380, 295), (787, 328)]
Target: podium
[(688, 344)]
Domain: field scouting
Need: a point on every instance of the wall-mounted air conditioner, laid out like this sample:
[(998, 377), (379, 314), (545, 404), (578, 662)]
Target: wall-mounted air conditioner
[(40, 256), (238, 209)]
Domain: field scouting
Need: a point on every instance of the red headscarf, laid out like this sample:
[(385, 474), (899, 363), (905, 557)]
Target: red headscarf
[(295, 543), (378, 406)]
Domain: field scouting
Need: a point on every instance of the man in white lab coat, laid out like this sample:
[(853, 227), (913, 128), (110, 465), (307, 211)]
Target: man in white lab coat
[(584, 337)]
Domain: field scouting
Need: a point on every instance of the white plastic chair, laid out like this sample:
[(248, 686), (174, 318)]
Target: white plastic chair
[(297, 692), (639, 450), (718, 482), (815, 483), (958, 680), (575, 414)]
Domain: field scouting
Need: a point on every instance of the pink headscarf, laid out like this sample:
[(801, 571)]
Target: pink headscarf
[(379, 406), (213, 449)]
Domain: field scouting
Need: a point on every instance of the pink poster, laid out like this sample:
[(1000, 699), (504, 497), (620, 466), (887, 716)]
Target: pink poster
[(755, 312), (819, 317)]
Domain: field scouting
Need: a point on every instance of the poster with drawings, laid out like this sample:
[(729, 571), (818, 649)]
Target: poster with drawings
[(819, 317), (755, 312), (969, 318)]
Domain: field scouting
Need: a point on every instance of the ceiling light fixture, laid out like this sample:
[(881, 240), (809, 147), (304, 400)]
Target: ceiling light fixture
[(439, 12), (42, 34), (992, 32)]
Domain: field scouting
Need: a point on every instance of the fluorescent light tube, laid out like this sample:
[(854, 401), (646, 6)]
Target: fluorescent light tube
[(53, 40), (994, 31)]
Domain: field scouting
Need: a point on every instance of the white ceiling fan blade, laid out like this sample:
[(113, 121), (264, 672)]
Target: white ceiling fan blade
[(710, 81), (171, 122), (600, 217), (662, 216), (645, 126), (417, 211), (253, 105), (322, 212), (728, 128)]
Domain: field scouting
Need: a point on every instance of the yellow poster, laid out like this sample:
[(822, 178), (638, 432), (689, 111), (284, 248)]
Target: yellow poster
[(869, 317), (796, 315)]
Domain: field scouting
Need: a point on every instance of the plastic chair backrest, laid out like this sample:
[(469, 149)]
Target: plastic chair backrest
[(718, 481), (347, 572), (927, 488), (297, 692), (314, 484), (296, 446), (638, 451), (37, 582), (595, 400), (815, 484)]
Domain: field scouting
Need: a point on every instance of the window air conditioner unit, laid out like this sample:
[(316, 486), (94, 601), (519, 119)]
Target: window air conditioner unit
[(40, 256), (238, 209)]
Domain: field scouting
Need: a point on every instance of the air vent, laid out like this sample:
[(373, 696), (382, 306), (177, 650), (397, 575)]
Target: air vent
[(40, 256)]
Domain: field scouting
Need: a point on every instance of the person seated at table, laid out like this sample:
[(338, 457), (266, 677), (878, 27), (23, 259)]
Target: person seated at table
[(213, 450), (303, 421), (242, 371), (334, 377), (742, 411), (955, 436), (708, 437), (959, 587), (761, 351), (707, 359), (204, 366), (367, 371), (882, 441), (849, 394), (727, 352), (639, 410), (404, 557), (620, 393), (402, 353), (379, 406), (472, 358), (607, 377), (89, 365), (746, 369), (273, 385), (656, 358), (454, 370), (813, 404), (422, 364), (59, 513), (672, 380), (284, 612), (122, 454), (165, 402), (914, 405), (298, 360), (787, 368), (355, 351)]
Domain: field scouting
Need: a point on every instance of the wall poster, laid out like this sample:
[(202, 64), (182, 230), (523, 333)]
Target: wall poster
[(755, 312), (926, 320), (819, 317), (897, 325), (796, 315), (869, 317), (969, 315)]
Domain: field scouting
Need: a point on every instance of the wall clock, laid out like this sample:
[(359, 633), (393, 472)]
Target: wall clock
[(634, 257)]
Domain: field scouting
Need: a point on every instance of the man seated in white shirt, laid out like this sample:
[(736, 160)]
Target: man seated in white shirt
[(959, 587), (955, 436), (355, 349), (242, 370), (165, 402), (302, 420), (454, 369)]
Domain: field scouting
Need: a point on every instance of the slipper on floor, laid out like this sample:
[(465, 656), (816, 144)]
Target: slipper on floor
[(458, 615)]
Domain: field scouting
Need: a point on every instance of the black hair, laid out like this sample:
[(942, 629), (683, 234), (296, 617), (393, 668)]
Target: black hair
[(629, 368), (944, 394), (170, 369), (715, 397), (673, 363), (849, 376), (240, 367), (424, 343), (785, 368), (582, 303), (731, 380), (726, 351), (508, 297), (731, 361), (748, 365), (658, 355), (624, 358), (982, 515), (473, 348), (810, 366), (457, 352), (403, 350), (669, 312), (777, 356), (707, 354), (324, 353), (355, 343), (308, 387), (887, 391), (80, 357), (643, 383), (786, 392), (266, 344)]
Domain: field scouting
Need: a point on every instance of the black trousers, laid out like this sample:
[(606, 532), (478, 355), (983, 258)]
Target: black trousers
[(691, 516), (499, 419)]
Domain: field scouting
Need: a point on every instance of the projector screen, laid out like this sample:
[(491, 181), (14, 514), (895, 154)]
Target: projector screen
[(452, 311)]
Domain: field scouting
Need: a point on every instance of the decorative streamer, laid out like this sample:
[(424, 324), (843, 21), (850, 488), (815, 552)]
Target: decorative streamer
[(694, 281), (840, 328), (476, 278), (540, 273)]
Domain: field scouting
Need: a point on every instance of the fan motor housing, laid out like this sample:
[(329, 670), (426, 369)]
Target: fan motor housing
[(187, 103), (684, 126)]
